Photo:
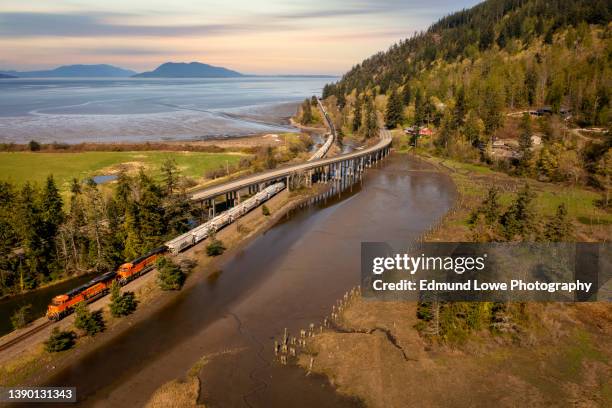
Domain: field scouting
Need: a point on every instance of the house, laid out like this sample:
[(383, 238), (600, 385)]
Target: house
[(423, 131)]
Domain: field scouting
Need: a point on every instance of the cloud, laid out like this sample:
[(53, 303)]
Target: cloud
[(120, 51), (392, 8), (18, 24)]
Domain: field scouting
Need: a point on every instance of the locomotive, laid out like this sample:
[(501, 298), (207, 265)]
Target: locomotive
[(63, 305)]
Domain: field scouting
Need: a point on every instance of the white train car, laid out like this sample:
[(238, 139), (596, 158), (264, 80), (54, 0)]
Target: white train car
[(323, 149), (250, 204), (203, 231), (181, 242)]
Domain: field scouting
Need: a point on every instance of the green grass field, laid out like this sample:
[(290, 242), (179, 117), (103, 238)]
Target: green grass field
[(19, 167), (473, 181)]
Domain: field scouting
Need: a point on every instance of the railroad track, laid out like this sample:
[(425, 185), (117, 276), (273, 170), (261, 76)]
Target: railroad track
[(24, 336)]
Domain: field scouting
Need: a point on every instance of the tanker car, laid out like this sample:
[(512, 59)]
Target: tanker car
[(63, 305)]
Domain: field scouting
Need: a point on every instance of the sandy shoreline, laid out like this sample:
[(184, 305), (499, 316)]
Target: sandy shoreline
[(174, 126)]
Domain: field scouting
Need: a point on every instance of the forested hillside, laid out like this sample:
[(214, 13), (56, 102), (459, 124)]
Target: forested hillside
[(472, 75)]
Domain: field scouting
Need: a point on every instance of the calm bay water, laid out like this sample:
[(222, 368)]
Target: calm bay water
[(130, 109)]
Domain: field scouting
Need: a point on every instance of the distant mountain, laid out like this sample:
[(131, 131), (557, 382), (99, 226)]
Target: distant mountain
[(300, 76), (101, 70), (5, 76), (189, 70)]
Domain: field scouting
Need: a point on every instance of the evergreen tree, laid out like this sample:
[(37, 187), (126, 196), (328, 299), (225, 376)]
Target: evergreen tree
[(459, 110), (406, 94), (393, 113), (341, 101), (133, 236), (487, 37), (531, 83), (177, 211), (31, 236), (169, 175), (356, 125), (559, 228), (520, 221), (123, 191), (419, 115), (525, 144), (60, 340), (490, 207), (484, 221), (95, 215), (306, 113), (493, 115), (169, 275), (370, 120), (121, 304), (52, 207), (34, 146), (90, 323), (150, 212)]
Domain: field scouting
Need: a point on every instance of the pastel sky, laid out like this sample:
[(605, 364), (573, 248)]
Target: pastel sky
[(251, 36)]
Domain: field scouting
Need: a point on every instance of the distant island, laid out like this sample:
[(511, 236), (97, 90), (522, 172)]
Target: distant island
[(67, 71), (166, 70), (189, 70)]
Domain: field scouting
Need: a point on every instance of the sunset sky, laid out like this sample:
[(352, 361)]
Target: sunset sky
[(259, 37)]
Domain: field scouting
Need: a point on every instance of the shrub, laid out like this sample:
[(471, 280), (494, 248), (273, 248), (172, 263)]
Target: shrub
[(170, 276), (34, 146), (22, 317), (122, 304), (89, 322), (265, 210), (60, 340), (215, 248)]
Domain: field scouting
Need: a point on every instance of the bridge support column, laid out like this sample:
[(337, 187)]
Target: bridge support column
[(211, 209)]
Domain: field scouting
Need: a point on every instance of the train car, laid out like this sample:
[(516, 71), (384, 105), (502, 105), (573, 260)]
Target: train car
[(181, 242), (235, 212), (250, 204), (140, 265), (323, 149), (201, 233), (220, 221), (63, 305)]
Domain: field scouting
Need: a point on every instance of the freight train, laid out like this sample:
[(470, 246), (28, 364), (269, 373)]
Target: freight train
[(63, 305)]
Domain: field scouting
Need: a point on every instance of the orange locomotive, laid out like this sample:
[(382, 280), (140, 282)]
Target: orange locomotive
[(139, 266), (63, 305)]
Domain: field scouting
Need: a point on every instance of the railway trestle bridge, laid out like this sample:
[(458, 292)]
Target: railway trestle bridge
[(341, 170)]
